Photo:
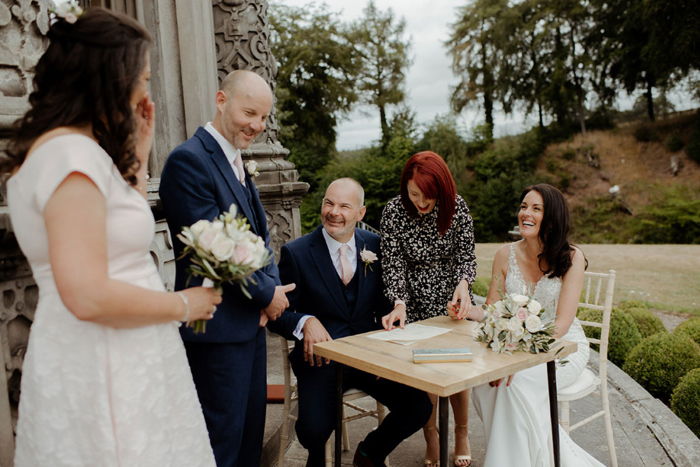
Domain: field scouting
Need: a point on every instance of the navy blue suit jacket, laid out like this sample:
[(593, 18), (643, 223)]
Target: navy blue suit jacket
[(307, 262), (198, 183)]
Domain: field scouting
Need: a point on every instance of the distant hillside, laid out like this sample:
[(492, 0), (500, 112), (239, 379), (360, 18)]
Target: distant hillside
[(586, 168)]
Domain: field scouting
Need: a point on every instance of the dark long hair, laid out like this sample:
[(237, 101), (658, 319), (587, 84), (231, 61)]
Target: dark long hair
[(554, 230), (433, 178), (86, 76)]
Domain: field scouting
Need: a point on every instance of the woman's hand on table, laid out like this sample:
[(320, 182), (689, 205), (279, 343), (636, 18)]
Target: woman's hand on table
[(397, 314), (459, 306)]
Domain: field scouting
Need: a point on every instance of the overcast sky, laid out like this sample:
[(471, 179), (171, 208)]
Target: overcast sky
[(429, 78)]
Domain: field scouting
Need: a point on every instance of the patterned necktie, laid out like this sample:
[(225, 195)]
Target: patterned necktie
[(238, 162), (345, 268)]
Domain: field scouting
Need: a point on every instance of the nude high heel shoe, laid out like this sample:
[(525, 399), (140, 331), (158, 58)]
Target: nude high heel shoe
[(468, 457), (429, 462)]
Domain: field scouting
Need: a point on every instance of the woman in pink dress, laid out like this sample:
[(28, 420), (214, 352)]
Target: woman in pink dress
[(105, 378)]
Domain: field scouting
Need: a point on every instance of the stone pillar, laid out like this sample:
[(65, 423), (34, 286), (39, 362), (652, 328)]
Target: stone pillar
[(242, 37), (23, 25)]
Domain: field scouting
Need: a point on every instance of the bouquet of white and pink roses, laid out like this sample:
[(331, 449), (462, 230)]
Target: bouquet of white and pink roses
[(223, 250), (517, 322)]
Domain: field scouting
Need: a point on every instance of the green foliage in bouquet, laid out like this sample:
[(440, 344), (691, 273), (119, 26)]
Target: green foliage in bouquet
[(647, 322), (691, 328), (660, 361), (685, 401), (624, 334)]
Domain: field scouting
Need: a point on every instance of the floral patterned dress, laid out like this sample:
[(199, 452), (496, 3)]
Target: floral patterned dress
[(420, 267)]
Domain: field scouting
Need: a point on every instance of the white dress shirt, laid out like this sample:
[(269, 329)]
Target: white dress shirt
[(334, 250), (229, 151)]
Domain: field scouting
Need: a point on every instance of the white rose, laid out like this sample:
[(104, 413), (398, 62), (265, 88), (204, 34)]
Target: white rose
[(222, 248), (63, 9), (199, 227), (499, 308), (519, 300), (514, 324), (534, 307), (207, 238), (234, 233), (368, 256), (243, 253), (533, 323), (70, 18), (217, 226), (252, 168)]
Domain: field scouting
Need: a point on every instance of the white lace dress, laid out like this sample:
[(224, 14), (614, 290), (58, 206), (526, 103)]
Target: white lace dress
[(91, 394), (516, 419)]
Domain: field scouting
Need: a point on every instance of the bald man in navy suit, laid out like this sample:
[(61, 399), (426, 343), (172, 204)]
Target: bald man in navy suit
[(336, 296), (201, 179)]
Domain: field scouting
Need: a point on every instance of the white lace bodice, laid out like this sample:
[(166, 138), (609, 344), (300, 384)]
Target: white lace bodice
[(546, 291)]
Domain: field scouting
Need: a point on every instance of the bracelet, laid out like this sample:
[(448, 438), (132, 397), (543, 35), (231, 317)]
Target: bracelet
[(187, 307)]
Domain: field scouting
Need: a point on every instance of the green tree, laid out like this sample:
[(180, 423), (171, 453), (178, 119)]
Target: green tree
[(317, 68), (378, 38), (476, 48)]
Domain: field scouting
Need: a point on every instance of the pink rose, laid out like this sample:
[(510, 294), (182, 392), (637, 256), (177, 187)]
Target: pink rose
[(521, 314), (243, 254)]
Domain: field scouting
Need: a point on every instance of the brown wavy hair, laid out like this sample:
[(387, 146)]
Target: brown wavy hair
[(554, 230), (433, 178), (86, 76)]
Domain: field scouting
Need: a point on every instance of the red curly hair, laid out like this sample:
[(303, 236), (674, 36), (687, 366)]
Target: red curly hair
[(433, 178)]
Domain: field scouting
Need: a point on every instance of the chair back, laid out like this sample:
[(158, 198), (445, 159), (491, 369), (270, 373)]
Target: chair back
[(597, 294)]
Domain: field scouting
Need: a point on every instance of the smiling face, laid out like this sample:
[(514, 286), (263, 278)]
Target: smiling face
[(341, 210), (242, 110), (423, 204), (531, 214)]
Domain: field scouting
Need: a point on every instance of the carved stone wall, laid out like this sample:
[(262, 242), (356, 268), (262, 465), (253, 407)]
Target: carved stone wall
[(242, 38), (23, 26)]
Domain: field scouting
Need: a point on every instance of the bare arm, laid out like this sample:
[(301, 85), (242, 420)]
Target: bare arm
[(571, 286), (75, 218)]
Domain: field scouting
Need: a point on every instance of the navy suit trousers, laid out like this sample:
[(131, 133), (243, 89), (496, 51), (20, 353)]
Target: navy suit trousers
[(410, 410), (234, 408)]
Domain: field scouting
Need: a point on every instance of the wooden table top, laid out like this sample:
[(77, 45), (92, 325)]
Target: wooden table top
[(395, 361)]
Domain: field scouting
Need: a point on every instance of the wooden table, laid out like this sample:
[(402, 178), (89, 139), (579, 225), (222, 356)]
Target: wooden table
[(395, 362)]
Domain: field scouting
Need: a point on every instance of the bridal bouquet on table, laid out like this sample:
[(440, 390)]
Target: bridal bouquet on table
[(517, 323), (223, 250)]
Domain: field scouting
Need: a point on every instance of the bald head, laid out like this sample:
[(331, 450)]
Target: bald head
[(243, 104), (246, 82), (348, 183)]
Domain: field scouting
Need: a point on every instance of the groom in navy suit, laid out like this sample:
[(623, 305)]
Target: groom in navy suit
[(201, 179), (338, 295)]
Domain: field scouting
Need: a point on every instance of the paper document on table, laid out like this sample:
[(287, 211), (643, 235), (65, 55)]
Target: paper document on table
[(413, 332)]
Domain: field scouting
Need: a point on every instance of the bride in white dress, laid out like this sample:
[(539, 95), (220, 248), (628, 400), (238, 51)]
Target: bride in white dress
[(105, 378), (514, 410)]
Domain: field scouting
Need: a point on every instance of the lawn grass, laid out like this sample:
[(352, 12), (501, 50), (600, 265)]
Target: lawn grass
[(666, 277)]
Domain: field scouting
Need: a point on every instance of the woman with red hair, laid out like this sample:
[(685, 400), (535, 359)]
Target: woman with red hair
[(429, 265)]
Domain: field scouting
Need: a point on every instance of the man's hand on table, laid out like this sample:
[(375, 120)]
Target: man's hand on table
[(314, 332)]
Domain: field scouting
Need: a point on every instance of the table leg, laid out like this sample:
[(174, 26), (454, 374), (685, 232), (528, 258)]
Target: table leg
[(444, 424), (553, 410), (338, 412)]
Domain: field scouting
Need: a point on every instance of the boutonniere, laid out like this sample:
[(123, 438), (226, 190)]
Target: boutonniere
[(252, 168), (368, 257)]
